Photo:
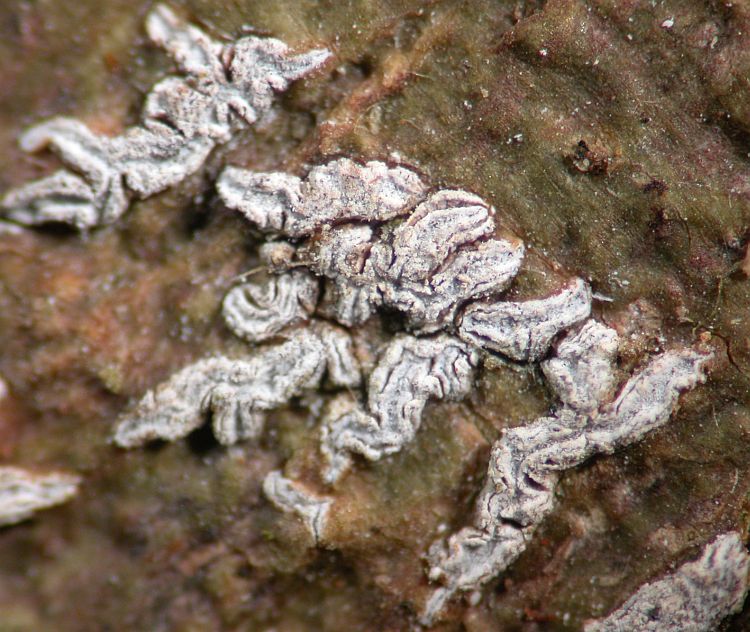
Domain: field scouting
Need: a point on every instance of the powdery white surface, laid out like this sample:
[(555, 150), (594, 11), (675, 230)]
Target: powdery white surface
[(410, 371), (222, 88), (292, 497), (24, 492), (525, 330), (341, 190), (694, 598), (257, 311), (238, 392), (581, 371), (525, 466), (427, 267)]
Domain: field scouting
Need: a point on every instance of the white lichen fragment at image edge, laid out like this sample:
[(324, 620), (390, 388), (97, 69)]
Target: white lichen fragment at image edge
[(224, 87), (694, 598), (24, 492)]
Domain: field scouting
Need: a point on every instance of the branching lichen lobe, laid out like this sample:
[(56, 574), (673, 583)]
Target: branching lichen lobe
[(237, 392), (526, 462), (224, 87), (409, 372), (258, 311)]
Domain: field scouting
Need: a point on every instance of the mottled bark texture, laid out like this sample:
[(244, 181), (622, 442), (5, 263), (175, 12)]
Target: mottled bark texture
[(611, 137)]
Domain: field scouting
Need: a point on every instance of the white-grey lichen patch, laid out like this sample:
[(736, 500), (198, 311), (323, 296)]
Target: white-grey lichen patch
[(239, 392), (257, 311), (366, 237), (524, 330), (223, 87), (442, 255), (24, 492), (347, 303), (342, 190), (694, 598), (409, 372), (647, 399), (581, 370), (436, 229), (292, 497), (526, 462)]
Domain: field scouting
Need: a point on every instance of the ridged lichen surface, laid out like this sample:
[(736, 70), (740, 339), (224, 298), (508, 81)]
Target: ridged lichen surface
[(612, 138)]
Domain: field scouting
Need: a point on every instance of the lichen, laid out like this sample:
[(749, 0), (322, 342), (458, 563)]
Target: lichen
[(409, 372), (280, 203), (441, 266), (258, 311), (693, 598), (581, 372), (613, 147), (291, 497), (526, 463), (525, 330), (378, 237), (427, 267), (24, 492), (239, 392), (223, 87)]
